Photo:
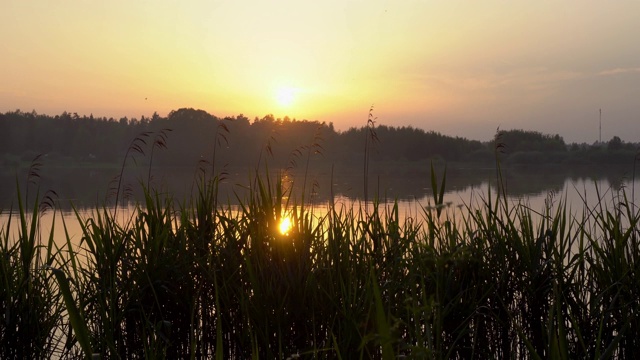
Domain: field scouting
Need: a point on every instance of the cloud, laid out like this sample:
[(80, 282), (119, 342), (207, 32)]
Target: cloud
[(518, 80), (617, 71)]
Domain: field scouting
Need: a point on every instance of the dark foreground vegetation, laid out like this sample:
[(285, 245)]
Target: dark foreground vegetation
[(203, 280)]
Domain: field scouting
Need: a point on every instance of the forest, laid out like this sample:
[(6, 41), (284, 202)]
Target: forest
[(189, 137)]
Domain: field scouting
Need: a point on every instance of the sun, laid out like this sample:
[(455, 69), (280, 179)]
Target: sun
[(286, 96)]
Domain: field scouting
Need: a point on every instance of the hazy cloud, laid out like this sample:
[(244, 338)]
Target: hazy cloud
[(619, 71)]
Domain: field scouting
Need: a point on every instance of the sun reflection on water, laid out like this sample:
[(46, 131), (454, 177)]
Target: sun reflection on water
[(285, 225)]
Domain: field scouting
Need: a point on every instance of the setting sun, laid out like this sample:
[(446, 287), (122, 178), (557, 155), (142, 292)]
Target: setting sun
[(285, 225), (285, 96), (458, 68)]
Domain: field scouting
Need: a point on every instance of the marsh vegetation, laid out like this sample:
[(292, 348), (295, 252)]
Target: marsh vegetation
[(197, 278)]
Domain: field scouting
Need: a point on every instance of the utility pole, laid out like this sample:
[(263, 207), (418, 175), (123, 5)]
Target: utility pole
[(600, 139)]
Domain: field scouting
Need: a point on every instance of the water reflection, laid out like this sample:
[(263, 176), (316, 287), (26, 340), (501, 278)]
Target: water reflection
[(86, 188), (465, 187)]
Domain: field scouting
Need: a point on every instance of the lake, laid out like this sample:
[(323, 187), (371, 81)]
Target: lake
[(84, 188)]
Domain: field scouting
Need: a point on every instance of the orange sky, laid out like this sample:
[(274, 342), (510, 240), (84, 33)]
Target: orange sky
[(457, 67)]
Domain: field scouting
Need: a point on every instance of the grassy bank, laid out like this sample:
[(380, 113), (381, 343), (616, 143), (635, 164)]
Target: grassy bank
[(202, 279)]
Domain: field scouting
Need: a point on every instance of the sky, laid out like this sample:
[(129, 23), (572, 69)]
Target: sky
[(461, 68)]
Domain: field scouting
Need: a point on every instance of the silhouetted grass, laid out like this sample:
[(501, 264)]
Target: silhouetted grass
[(203, 279)]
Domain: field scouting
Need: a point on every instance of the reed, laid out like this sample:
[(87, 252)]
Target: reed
[(203, 279), (32, 308)]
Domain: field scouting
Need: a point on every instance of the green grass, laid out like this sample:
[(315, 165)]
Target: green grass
[(202, 279)]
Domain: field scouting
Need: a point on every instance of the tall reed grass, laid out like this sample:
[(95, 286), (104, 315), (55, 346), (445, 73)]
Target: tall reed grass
[(202, 279)]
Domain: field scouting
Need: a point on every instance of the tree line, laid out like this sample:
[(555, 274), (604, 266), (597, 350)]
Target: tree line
[(188, 137)]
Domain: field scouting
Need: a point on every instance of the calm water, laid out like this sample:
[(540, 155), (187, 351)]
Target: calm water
[(413, 193)]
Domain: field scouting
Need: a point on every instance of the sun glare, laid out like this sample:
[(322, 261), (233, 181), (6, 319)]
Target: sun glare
[(285, 225), (285, 96)]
